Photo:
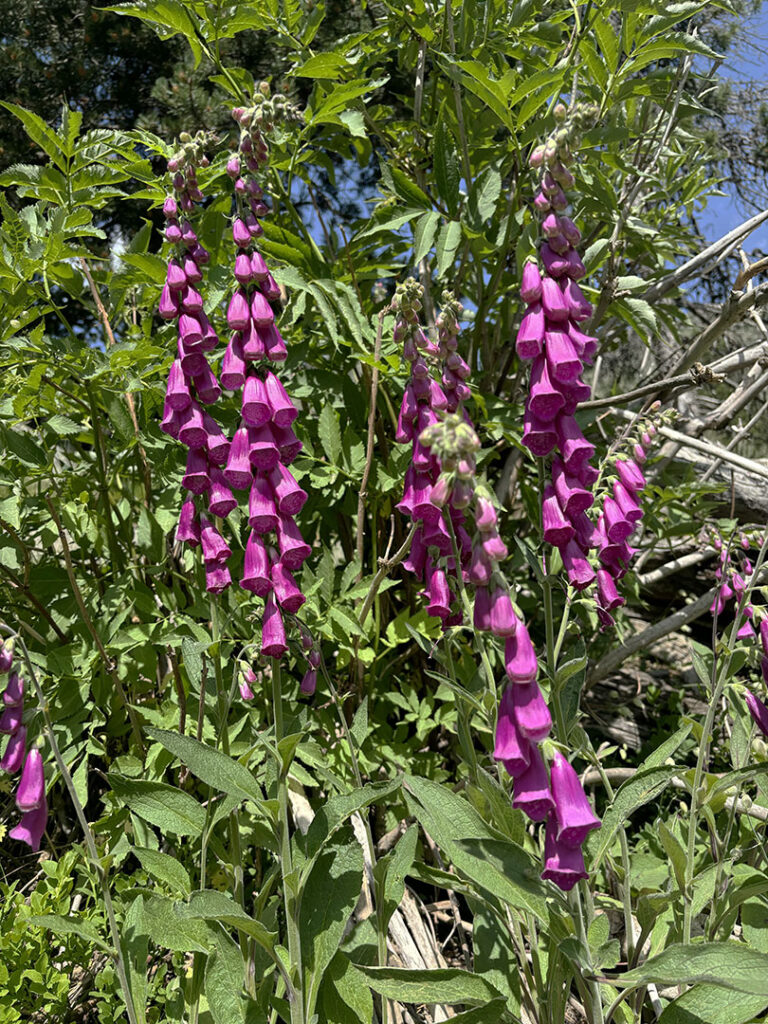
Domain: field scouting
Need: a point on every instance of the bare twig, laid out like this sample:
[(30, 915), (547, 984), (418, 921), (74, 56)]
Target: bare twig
[(386, 565)]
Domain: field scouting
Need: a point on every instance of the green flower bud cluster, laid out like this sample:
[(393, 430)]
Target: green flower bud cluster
[(191, 153)]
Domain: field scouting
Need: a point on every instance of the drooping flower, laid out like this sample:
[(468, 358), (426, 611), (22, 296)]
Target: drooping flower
[(573, 814)]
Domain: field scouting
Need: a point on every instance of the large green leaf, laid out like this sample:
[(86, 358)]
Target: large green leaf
[(732, 965), (170, 809), (210, 765), (448, 985)]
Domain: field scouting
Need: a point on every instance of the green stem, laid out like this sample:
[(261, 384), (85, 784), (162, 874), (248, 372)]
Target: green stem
[(286, 860)]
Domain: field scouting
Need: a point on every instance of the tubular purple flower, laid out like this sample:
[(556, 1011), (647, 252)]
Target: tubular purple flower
[(520, 656), (555, 265), (245, 689), (572, 497), (284, 412), (608, 595), (240, 234), (270, 288), (563, 865), (630, 475), (238, 472), (262, 313), (557, 529), (191, 300), (545, 399), (288, 444), (243, 271), (564, 364), (13, 756), (758, 710), (10, 720), (504, 622), (552, 300), (190, 330), (175, 277), (274, 344), (170, 209), (576, 304), (574, 392), (617, 528), (574, 816), (569, 229), (13, 695), (6, 656), (188, 530), (531, 789), (480, 566), (192, 432), (169, 304), (238, 311), (273, 642), (256, 569), (309, 682), (493, 546), (192, 272), (177, 394), (253, 344), (574, 447), (539, 437), (32, 826), (192, 360), (510, 745), (530, 335), (262, 513), (531, 711), (206, 385), (293, 548), (575, 269), (217, 578), (216, 441), (196, 478), (438, 593), (290, 498), (287, 594), (31, 789), (215, 548), (627, 502), (485, 515), (482, 610), (259, 268), (264, 453), (221, 500), (585, 344), (763, 635), (256, 408)]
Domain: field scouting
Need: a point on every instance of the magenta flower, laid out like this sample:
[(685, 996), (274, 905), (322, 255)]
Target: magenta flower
[(273, 641), (309, 682), (287, 594), (13, 695), (31, 789), (32, 826), (10, 720), (758, 710), (13, 755), (573, 813), (531, 711), (520, 656), (531, 789), (563, 865), (6, 657), (188, 530), (511, 746)]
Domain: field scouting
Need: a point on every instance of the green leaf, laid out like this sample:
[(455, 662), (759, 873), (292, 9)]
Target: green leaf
[(337, 809), (9, 510), (167, 18), (398, 866), (164, 868), (322, 65), (675, 852), (483, 197), (424, 235), (346, 998), (211, 905), (711, 1004), (447, 243), (134, 945), (210, 765), (328, 899), (639, 790), (168, 808), (224, 978), (667, 748), (447, 985), (39, 132), (69, 926), (732, 965), (446, 164), (166, 928), (607, 38), (329, 432), (20, 443)]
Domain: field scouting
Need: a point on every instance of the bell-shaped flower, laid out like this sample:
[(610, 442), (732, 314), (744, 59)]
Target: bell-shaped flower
[(504, 622), (575, 269), (555, 265), (531, 712), (221, 500), (293, 548), (289, 497), (545, 398), (192, 272), (510, 745), (308, 682), (284, 412), (531, 789), (190, 330), (170, 306), (493, 546), (243, 271), (563, 865), (273, 642), (215, 548), (31, 789), (264, 452), (192, 360), (553, 302), (192, 432), (480, 566), (758, 710), (256, 568), (577, 306), (607, 594), (438, 593), (520, 656), (188, 530), (262, 313), (255, 407), (571, 495), (10, 720), (13, 694), (233, 364), (254, 348), (31, 827), (287, 443), (6, 656), (217, 577), (558, 530), (539, 436), (240, 233), (577, 566), (274, 344), (482, 610), (13, 756), (287, 594), (259, 268), (617, 527), (530, 286), (196, 478), (239, 311), (530, 334), (177, 392), (630, 475), (262, 512), (216, 441), (238, 472), (206, 385), (562, 359), (574, 447), (627, 502), (574, 393), (585, 344), (573, 812)]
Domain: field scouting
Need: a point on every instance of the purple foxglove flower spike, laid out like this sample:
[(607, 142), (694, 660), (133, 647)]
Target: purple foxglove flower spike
[(196, 478), (287, 593), (289, 497), (264, 453), (572, 497), (14, 751), (630, 475), (274, 344), (262, 513), (215, 548), (31, 790), (585, 344), (559, 244), (758, 710), (175, 277), (238, 472), (270, 288), (177, 394), (259, 268), (288, 444), (32, 826), (438, 593), (530, 335), (569, 229), (169, 304), (10, 720), (552, 300), (539, 437), (284, 412), (555, 265), (293, 548), (273, 642), (190, 330), (256, 409), (206, 385), (309, 682), (563, 865), (238, 311), (530, 287), (627, 502), (531, 711), (562, 360), (576, 304), (617, 528), (256, 569), (188, 530), (504, 622), (531, 789), (13, 695), (217, 578), (243, 271), (482, 610), (520, 656), (574, 816), (510, 746), (608, 595), (557, 529), (575, 269), (262, 313), (545, 398)]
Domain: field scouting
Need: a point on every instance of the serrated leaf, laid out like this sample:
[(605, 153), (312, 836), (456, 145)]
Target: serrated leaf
[(60, 925), (483, 197), (170, 809), (447, 985), (447, 243), (635, 792), (731, 965), (446, 163), (210, 765), (424, 235), (329, 432), (164, 868)]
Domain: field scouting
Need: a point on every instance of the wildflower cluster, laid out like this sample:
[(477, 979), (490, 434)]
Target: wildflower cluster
[(30, 790), (264, 444)]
